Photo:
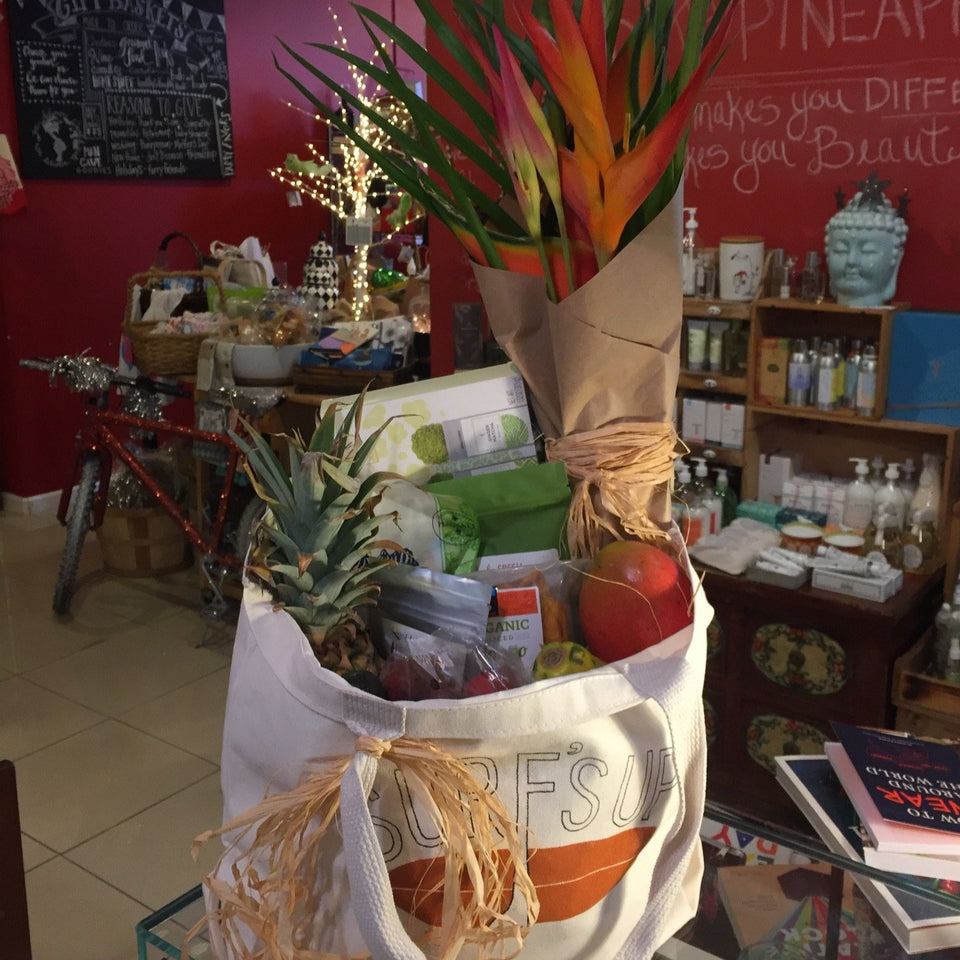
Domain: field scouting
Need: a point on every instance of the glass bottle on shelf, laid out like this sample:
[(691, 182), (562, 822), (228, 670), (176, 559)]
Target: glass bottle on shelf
[(813, 352), (735, 349), (839, 369), (825, 376), (851, 371), (921, 545), (867, 381)]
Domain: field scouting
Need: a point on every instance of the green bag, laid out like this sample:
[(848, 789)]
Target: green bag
[(522, 513)]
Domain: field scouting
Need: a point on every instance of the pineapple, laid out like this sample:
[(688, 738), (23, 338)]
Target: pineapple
[(319, 527)]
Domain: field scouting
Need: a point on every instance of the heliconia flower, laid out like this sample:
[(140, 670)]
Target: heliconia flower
[(531, 121), (520, 256), (582, 189), (634, 174), (570, 72), (534, 128), (617, 101)]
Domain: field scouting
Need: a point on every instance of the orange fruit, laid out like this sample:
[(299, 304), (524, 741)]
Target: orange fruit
[(634, 596)]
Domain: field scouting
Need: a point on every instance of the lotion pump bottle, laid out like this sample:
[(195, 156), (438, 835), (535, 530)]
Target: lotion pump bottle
[(691, 246), (889, 500), (858, 502)]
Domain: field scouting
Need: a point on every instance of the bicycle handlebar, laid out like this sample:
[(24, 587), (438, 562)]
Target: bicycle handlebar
[(88, 374)]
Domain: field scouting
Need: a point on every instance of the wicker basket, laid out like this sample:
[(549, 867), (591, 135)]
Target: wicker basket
[(141, 542), (162, 354), (340, 381)]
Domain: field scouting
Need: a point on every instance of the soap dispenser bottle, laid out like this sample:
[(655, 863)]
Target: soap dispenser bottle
[(921, 542), (691, 247), (889, 499), (927, 496), (702, 496), (883, 538), (858, 501), (687, 515), (726, 494)]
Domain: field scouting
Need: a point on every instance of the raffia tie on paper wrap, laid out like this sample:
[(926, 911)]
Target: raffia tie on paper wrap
[(283, 888), (602, 368)]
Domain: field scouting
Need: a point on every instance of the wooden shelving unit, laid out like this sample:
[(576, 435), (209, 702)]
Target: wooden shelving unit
[(827, 439)]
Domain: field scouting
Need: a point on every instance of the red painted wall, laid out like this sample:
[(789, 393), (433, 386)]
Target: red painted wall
[(65, 259)]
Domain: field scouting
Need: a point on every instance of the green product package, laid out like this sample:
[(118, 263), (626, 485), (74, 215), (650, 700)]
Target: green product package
[(522, 512)]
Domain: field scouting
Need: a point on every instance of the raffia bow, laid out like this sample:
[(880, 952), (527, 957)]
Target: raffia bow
[(282, 888), (619, 471)]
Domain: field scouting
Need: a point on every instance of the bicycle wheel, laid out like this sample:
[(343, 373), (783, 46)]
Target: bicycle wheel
[(77, 526)]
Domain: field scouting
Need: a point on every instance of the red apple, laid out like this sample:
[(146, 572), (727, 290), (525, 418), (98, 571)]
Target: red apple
[(634, 596)]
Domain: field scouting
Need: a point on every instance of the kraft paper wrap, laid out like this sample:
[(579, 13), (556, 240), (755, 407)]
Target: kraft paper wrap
[(606, 358)]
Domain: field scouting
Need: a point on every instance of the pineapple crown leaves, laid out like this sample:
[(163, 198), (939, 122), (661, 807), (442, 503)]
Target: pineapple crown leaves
[(323, 479), (313, 550)]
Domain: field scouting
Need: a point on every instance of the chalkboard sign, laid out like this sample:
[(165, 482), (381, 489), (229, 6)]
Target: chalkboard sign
[(121, 88), (812, 95)]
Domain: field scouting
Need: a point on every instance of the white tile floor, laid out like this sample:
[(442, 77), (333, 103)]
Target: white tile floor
[(113, 718)]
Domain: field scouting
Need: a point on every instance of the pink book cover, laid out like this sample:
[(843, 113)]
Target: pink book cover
[(887, 836)]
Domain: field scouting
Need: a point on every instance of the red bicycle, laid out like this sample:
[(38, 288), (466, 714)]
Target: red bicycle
[(108, 434)]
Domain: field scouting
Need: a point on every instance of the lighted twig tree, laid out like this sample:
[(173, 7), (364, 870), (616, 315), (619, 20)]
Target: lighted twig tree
[(357, 186)]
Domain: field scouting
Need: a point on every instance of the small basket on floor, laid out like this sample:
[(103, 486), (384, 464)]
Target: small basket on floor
[(142, 542)]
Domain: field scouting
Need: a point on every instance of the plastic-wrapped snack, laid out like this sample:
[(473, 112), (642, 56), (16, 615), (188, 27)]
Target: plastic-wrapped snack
[(532, 606), (429, 623), (489, 668), (423, 667)]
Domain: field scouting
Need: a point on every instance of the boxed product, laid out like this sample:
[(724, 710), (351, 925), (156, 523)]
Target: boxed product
[(773, 359), (713, 432), (464, 424), (776, 469), (694, 427), (777, 578), (733, 417), (877, 589)]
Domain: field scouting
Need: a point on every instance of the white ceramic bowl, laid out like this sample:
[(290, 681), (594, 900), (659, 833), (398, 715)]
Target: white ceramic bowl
[(261, 364)]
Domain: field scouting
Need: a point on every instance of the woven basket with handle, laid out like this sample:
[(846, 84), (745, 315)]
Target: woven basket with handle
[(165, 354)]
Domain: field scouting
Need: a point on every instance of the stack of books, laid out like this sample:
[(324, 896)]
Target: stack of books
[(891, 801)]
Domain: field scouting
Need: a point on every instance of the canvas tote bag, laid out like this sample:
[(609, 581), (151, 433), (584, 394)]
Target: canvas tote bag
[(594, 785)]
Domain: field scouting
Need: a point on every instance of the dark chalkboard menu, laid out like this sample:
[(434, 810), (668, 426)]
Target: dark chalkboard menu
[(121, 88)]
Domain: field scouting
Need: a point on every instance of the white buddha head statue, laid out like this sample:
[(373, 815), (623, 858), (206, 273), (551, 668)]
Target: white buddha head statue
[(864, 243)]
